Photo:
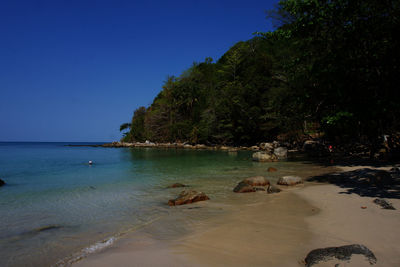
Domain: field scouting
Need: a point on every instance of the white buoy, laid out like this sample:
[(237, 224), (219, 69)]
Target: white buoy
[(90, 162)]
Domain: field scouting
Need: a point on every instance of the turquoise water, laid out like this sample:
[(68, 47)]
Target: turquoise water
[(56, 207)]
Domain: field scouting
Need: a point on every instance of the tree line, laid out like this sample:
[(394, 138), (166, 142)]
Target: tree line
[(330, 67)]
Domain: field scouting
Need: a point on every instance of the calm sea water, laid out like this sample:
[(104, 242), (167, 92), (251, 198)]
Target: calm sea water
[(56, 208)]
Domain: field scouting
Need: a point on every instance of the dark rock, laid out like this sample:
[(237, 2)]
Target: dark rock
[(272, 169), (175, 185), (47, 228), (342, 253), (290, 180), (2, 182), (273, 189), (187, 197), (243, 187), (384, 204), (256, 181)]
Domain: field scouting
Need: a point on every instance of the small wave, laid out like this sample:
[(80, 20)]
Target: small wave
[(86, 251)]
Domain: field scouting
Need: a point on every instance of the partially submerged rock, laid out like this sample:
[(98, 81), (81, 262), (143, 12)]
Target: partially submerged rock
[(290, 180), (264, 157), (175, 185), (187, 197), (243, 187), (342, 253), (281, 152), (2, 182), (273, 189), (256, 181), (271, 169), (384, 204)]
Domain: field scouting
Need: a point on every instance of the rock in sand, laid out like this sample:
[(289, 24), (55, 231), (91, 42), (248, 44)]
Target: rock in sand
[(273, 189), (243, 187), (342, 253), (290, 180), (187, 197), (256, 181)]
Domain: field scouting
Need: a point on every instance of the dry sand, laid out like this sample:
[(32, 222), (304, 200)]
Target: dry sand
[(270, 230)]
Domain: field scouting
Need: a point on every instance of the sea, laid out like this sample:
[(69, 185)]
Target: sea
[(56, 208)]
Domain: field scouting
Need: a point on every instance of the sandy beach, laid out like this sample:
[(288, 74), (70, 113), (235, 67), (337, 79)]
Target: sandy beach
[(270, 230)]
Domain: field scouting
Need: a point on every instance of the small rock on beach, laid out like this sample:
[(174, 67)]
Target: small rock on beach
[(243, 187), (187, 197), (342, 253), (290, 180), (256, 181)]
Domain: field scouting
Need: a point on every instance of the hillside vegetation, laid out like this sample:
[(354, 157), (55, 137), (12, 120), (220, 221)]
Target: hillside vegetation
[(331, 68)]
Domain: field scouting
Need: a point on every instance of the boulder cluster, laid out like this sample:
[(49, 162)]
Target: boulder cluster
[(260, 183)]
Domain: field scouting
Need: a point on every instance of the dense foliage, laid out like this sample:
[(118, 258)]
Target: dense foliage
[(331, 66)]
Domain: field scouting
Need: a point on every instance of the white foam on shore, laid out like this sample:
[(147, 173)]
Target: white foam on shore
[(86, 251)]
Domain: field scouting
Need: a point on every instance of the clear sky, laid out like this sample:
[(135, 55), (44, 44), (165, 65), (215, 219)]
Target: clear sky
[(75, 70)]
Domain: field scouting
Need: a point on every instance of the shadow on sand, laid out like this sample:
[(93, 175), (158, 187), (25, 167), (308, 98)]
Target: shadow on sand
[(365, 182)]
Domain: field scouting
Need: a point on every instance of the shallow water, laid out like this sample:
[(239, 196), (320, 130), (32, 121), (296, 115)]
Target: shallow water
[(55, 207)]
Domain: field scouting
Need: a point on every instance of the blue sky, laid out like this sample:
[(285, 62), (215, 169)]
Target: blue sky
[(76, 70)]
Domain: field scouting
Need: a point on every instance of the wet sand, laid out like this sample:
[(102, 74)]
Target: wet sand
[(257, 229)]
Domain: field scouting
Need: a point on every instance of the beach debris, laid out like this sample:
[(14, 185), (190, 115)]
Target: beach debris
[(264, 157), (363, 207), (256, 181), (243, 187), (90, 162), (2, 182), (290, 180), (343, 253), (271, 169), (175, 185), (187, 197), (281, 152), (273, 189), (384, 204)]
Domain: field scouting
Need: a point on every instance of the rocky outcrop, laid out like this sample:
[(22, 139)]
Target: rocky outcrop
[(256, 181), (342, 253), (175, 185), (384, 204), (2, 182), (281, 152), (290, 180), (264, 157), (187, 197), (271, 169), (243, 187)]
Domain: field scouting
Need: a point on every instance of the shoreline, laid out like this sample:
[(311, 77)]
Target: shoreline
[(275, 231)]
